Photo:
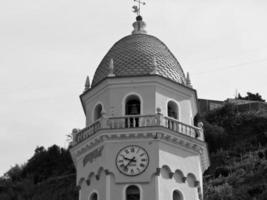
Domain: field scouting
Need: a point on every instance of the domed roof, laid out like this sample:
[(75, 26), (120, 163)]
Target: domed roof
[(139, 55)]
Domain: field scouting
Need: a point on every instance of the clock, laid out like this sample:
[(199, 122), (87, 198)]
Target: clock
[(132, 160)]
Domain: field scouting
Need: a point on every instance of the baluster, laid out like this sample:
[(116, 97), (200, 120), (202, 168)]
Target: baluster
[(111, 123), (189, 131), (175, 126), (128, 122), (92, 128), (147, 122), (114, 123), (142, 122), (121, 122), (152, 121), (134, 122), (166, 122), (83, 136)]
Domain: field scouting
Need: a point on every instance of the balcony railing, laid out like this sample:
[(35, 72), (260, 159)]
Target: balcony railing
[(137, 121)]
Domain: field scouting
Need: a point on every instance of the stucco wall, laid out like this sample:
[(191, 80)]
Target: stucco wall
[(152, 94)]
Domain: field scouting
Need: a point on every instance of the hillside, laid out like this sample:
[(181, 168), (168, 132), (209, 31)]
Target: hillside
[(49, 174), (238, 152)]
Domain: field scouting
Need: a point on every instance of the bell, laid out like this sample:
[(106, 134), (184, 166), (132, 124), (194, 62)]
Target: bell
[(134, 110)]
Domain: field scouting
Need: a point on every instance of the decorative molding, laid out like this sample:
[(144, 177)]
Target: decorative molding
[(171, 175), (96, 175), (107, 172), (78, 187), (157, 173), (93, 155), (196, 183), (184, 179)]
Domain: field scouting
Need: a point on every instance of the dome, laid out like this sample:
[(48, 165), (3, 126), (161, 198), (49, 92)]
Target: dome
[(140, 54)]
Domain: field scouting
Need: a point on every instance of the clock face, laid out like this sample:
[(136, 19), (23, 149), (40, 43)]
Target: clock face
[(132, 160)]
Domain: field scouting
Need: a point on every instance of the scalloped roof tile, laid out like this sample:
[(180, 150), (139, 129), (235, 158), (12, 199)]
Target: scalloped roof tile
[(135, 55)]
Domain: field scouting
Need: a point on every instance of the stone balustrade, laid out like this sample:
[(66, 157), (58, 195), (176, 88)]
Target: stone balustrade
[(137, 121)]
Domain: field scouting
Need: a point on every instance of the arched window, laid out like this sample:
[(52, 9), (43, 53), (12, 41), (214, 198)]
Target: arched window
[(172, 110), (132, 105), (132, 193), (93, 196), (176, 195), (97, 112)]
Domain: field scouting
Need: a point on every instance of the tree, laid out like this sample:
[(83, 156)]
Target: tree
[(14, 173), (252, 97)]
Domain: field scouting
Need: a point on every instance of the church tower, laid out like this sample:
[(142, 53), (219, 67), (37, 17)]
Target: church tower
[(139, 142)]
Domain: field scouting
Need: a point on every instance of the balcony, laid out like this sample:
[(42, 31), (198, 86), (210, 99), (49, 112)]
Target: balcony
[(135, 122)]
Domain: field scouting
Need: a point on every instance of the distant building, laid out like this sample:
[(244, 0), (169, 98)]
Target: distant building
[(248, 105), (206, 105)]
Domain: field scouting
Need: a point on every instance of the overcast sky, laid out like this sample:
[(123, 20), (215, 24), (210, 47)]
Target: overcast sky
[(48, 47)]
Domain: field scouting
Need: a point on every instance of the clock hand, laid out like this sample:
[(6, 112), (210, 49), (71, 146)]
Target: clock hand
[(130, 161), (128, 158)]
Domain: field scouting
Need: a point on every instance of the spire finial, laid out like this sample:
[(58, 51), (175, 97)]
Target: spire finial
[(111, 68), (188, 80), (87, 84), (137, 9), (155, 64)]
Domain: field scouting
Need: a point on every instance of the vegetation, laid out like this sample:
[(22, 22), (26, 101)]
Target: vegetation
[(49, 174), (238, 152), (251, 96)]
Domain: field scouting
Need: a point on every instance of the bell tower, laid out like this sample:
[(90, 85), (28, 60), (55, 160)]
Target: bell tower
[(140, 141)]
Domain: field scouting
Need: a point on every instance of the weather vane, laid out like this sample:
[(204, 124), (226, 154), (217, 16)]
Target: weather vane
[(137, 9)]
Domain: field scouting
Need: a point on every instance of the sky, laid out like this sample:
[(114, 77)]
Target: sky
[(47, 48)]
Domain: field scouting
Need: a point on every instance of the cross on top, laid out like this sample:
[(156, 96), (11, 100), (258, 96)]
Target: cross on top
[(137, 9)]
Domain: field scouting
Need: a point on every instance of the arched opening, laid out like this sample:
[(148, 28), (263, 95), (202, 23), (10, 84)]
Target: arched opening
[(97, 112), (176, 195), (132, 107), (132, 193), (172, 110), (93, 196), (172, 113)]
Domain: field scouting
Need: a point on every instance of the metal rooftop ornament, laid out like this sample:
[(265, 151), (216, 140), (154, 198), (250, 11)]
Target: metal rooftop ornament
[(137, 9)]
